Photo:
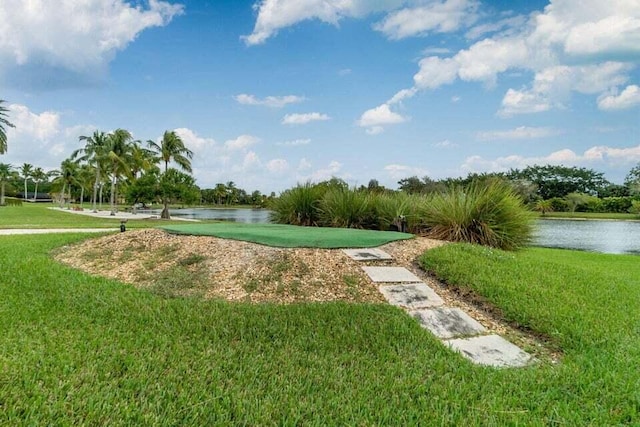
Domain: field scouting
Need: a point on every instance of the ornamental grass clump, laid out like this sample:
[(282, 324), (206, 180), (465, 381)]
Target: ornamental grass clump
[(343, 207), (485, 213), (390, 207), (298, 205)]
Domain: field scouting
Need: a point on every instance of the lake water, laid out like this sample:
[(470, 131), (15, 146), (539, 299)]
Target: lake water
[(239, 215), (613, 237)]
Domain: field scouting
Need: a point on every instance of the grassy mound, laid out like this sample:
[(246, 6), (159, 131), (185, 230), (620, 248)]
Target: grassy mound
[(290, 236)]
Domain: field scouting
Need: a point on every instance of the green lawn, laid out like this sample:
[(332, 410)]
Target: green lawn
[(82, 350), (291, 236), (31, 215), (591, 215)]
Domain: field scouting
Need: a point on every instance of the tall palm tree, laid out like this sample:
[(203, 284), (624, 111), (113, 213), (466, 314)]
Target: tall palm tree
[(171, 148), (120, 144), (86, 174), (25, 171), (95, 153), (220, 192), (6, 173), (142, 160), (4, 123), (38, 175), (68, 177)]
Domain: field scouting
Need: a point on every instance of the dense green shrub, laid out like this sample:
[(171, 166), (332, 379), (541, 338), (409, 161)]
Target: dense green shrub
[(389, 208), (616, 204), (343, 207), (559, 204), (488, 213), (298, 206)]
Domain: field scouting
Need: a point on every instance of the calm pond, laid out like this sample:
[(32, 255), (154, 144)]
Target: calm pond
[(239, 215), (615, 237), (612, 237)]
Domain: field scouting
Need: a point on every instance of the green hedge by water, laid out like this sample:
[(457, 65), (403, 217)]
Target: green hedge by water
[(488, 212)]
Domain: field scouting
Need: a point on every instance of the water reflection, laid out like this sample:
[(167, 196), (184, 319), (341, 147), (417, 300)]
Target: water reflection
[(239, 215), (613, 237)]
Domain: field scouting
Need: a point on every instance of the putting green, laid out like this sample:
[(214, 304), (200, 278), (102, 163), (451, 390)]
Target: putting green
[(290, 236)]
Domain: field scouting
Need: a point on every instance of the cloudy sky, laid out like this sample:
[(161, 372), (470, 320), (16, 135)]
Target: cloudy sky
[(275, 92)]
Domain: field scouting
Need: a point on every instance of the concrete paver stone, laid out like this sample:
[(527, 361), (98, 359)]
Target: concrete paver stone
[(446, 322), (391, 275), (411, 296), (491, 350), (367, 254)]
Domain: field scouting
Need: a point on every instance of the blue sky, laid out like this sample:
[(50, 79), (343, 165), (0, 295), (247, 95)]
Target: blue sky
[(275, 92)]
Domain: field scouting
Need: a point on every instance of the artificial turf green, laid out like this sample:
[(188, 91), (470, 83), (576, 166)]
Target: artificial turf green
[(291, 236)]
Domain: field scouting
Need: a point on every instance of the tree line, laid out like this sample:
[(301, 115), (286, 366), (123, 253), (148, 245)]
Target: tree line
[(547, 188)]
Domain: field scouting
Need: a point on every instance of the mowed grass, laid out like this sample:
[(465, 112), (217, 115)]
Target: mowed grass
[(591, 215), (31, 215), (586, 304), (82, 350)]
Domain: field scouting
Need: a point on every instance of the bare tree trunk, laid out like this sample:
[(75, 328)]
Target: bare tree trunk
[(112, 199), (35, 193), (2, 194), (165, 210), (95, 190), (64, 188)]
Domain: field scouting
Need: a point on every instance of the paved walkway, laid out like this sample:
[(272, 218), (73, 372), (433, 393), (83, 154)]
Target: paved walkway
[(452, 326), (107, 214), (11, 231)]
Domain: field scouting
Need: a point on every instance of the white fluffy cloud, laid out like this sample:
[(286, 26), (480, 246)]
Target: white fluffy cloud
[(629, 97), (301, 119), (278, 166), (295, 142), (332, 170), (437, 16), (242, 142), (396, 171), (552, 86), (600, 36), (406, 17), (269, 101), (79, 36), (193, 141), (521, 132), (375, 118), (40, 138), (598, 156), (41, 127), (445, 144)]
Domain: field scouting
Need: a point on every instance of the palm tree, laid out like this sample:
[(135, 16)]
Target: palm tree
[(142, 160), (95, 154), (220, 192), (543, 206), (6, 173), (67, 177), (3, 123), (38, 176), (171, 148), (232, 192), (85, 175), (120, 145), (25, 170)]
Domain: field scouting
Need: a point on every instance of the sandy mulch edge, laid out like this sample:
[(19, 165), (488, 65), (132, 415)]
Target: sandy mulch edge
[(243, 271)]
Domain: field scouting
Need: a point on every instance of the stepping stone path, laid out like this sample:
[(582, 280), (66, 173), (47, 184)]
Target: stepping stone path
[(454, 327)]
